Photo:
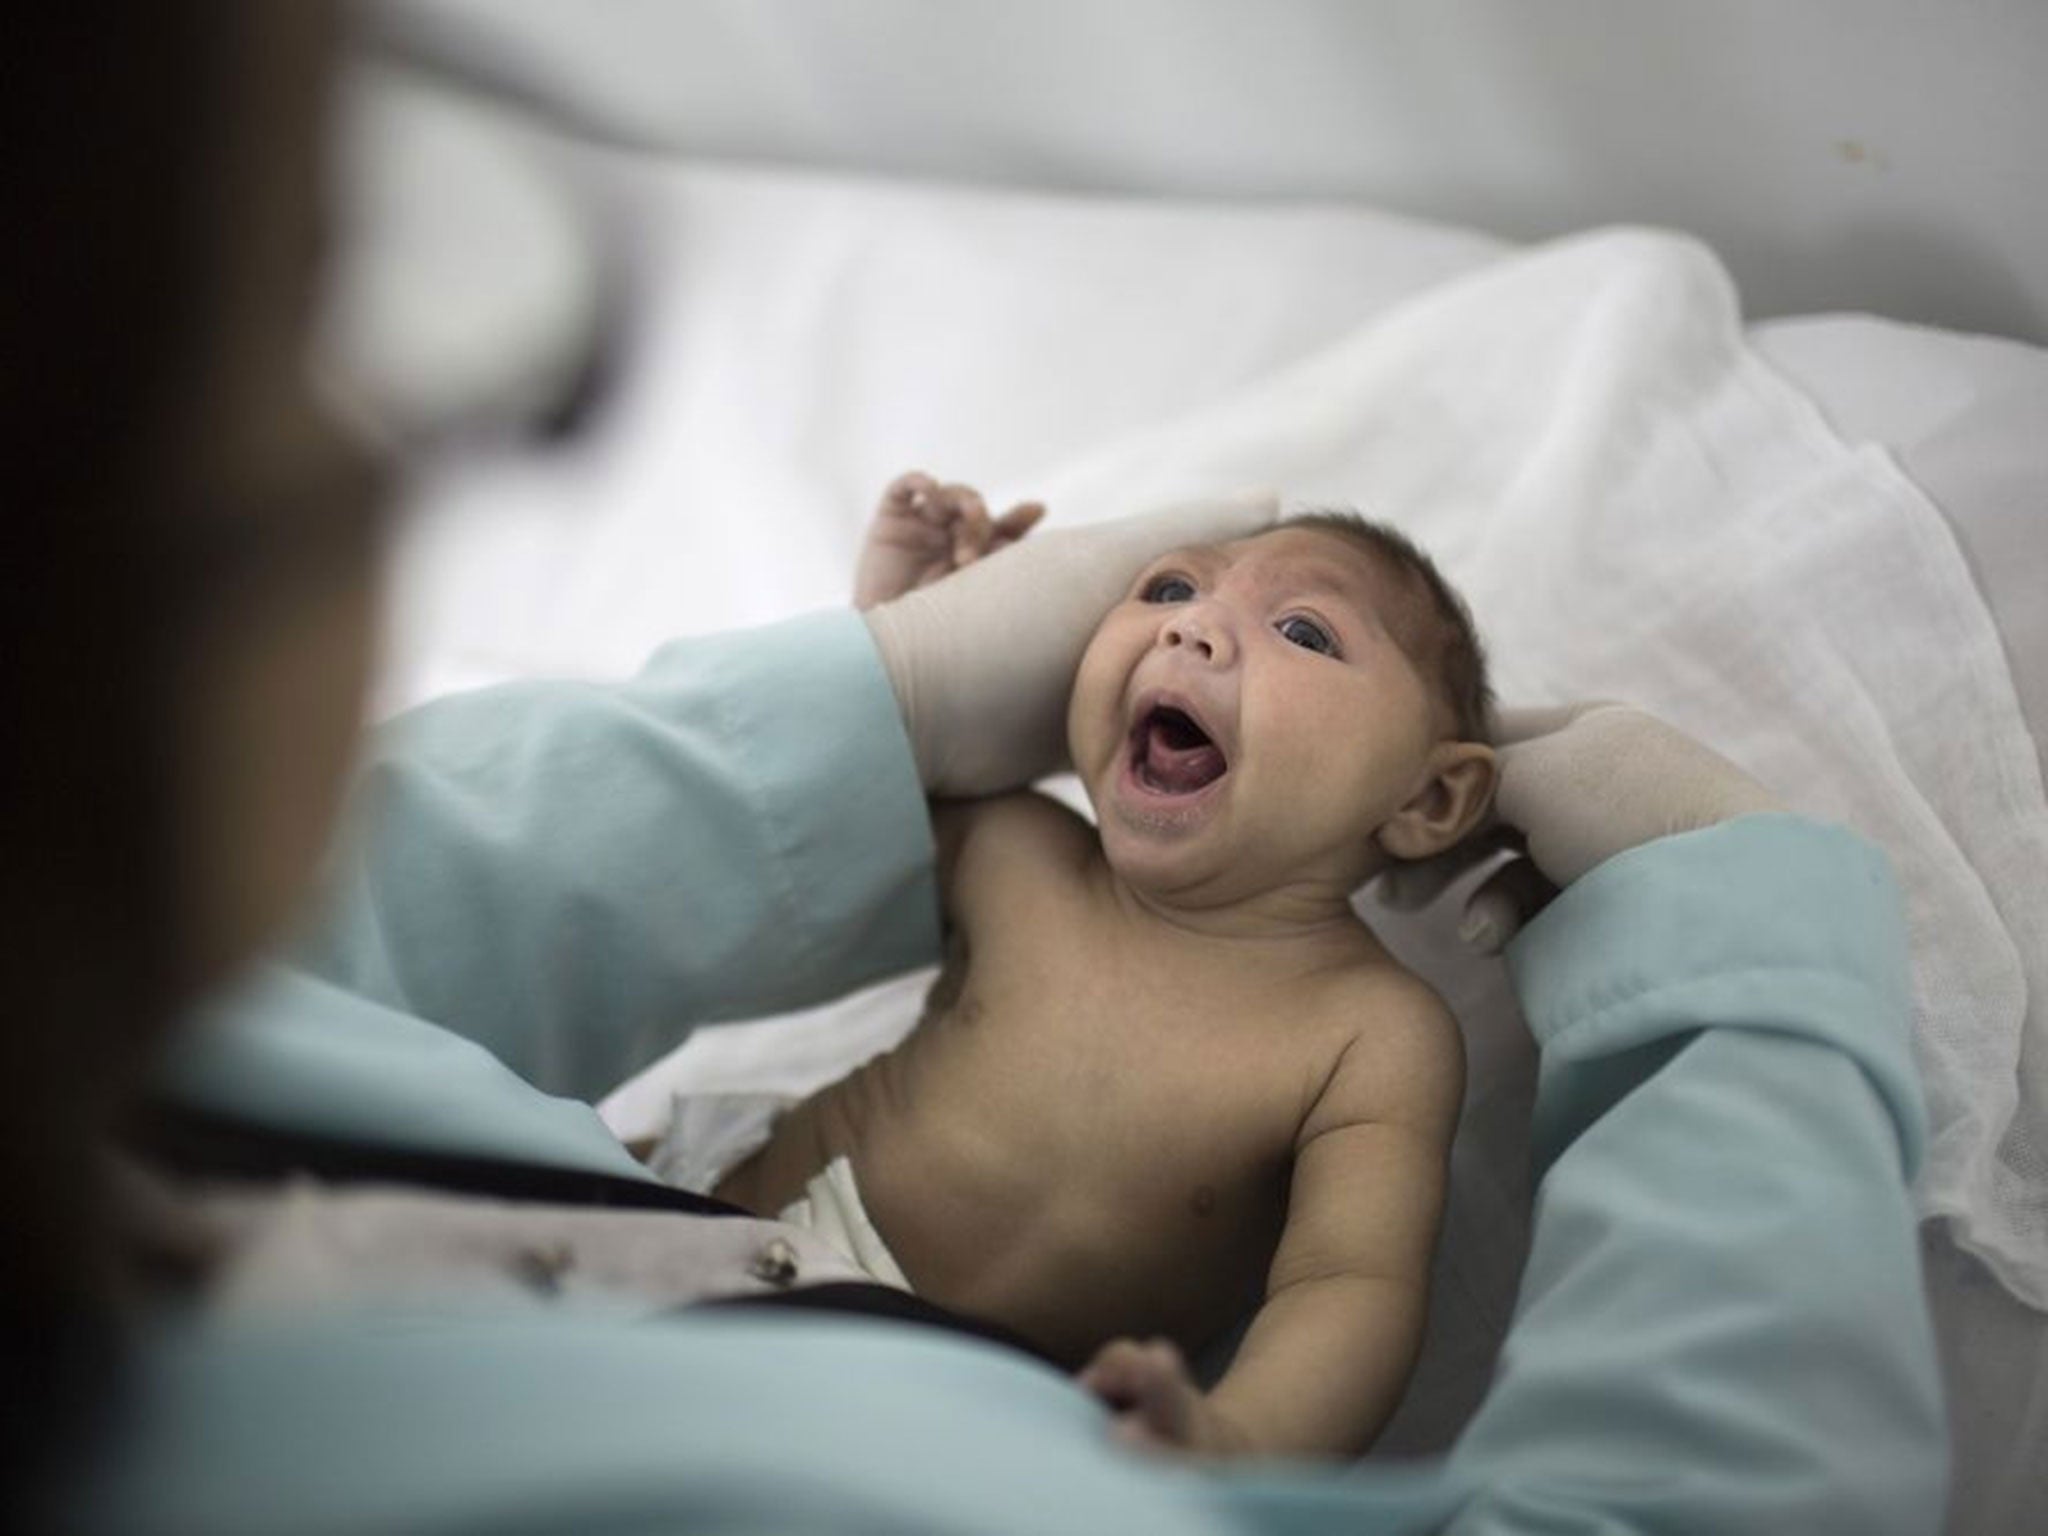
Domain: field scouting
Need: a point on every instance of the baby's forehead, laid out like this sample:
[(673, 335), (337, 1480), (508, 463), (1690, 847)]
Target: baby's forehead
[(1325, 559)]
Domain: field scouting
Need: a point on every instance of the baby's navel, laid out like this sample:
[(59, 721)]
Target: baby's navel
[(1203, 1202)]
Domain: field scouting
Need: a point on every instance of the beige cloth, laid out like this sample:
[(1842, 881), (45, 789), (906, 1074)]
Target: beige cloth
[(302, 1245)]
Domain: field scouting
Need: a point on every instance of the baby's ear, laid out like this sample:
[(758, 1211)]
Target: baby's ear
[(1453, 801)]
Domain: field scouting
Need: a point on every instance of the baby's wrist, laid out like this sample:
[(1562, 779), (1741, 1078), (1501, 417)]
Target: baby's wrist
[(1220, 1433)]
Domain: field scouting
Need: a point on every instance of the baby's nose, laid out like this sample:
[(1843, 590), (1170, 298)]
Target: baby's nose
[(1194, 631)]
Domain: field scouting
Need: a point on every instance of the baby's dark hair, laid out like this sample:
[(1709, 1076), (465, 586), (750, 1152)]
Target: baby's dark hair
[(1448, 651)]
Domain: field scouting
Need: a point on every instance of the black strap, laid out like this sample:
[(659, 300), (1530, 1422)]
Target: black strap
[(201, 1144), (885, 1301), (204, 1144)]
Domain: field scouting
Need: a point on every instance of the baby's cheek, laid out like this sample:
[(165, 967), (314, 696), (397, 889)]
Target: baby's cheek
[(1362, 783), (1091, 707)]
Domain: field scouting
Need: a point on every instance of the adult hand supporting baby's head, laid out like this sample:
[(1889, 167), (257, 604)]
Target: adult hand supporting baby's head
[(1579, 784), (982, 662)]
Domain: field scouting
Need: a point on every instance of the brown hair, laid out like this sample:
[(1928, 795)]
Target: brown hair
[(105, 135), (1449, 654)]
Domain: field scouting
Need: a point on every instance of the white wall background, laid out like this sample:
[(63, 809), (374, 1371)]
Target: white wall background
[(1841, 154)]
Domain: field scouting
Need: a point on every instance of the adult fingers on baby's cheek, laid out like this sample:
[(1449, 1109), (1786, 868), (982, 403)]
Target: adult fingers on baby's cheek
[(1503, 904)]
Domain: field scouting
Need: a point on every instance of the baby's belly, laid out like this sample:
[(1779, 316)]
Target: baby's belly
[(1004, 1210)]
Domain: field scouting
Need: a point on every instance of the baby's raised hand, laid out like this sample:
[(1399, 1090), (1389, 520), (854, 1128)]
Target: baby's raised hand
[(982, 666), (923, 531), (1157, 1402)]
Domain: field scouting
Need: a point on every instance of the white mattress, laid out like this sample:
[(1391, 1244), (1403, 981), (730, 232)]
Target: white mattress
[(704, 498)]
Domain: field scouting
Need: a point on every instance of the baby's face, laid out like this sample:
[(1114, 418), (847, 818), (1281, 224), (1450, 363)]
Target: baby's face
[(1245, 720)]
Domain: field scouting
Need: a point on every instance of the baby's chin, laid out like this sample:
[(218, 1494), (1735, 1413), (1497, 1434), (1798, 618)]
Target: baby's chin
[(1165, 868)]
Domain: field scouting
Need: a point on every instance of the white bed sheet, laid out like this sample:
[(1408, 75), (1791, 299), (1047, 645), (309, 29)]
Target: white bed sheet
[(701, 504), (1963, 415)]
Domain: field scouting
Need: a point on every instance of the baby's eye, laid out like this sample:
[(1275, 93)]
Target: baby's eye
[(1167, 589), (1309, 635)]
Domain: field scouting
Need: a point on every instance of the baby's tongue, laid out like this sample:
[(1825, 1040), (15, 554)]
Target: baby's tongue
[(1179, 759)]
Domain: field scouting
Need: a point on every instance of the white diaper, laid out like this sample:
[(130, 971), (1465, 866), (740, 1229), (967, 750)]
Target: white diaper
[(830, 1206), (711, 1133)]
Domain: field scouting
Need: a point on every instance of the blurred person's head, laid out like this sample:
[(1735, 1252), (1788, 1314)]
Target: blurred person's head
[(190, 557)]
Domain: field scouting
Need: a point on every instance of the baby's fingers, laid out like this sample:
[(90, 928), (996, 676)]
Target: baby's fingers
[(915, 495), (1134, 1433), (1149, 1383), (969, 523), (1016, 522)]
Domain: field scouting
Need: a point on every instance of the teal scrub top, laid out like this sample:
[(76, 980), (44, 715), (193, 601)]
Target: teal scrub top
[(546, 885)]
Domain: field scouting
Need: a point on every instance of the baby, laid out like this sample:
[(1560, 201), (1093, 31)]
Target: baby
[(1166, 1074)]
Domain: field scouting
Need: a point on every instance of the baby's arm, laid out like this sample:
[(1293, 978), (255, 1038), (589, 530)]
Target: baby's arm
[(1331, 1349)]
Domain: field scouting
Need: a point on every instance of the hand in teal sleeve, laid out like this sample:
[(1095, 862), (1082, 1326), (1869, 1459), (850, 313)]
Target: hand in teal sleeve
[(1721, 1324), (1578, 785)]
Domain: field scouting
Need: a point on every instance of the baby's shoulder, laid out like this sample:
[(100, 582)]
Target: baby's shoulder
[(1380, 988), (991, 850), (1398, 1051)]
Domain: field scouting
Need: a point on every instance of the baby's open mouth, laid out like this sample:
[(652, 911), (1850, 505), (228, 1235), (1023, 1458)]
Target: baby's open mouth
[(1172, 755)]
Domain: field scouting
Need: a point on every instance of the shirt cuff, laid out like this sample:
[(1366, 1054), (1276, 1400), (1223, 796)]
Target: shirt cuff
[(1770, 922)]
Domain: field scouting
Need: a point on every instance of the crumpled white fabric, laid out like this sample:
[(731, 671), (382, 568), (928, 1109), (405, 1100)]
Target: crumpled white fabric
[(1635, 504), (1637, 508)]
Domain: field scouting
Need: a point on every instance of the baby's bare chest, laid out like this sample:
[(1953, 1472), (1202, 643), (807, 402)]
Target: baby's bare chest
[(1119, 1065), (1087, 1134)]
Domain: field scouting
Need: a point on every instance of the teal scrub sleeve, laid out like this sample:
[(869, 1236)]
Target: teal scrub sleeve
[(581, 1425), (572, 875), (1721, 1326)]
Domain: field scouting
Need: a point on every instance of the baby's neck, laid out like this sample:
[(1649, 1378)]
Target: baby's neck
[(1287, 923)]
